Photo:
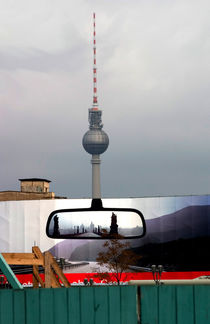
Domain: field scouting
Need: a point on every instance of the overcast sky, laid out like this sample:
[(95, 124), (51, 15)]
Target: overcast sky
[(153, 59)]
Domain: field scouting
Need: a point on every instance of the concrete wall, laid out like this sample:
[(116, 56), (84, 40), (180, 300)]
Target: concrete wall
[(34, 186)]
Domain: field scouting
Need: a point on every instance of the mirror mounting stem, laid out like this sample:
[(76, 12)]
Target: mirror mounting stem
[(96, 204)]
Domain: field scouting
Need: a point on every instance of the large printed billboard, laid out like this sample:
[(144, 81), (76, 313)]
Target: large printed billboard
[(177, 232)]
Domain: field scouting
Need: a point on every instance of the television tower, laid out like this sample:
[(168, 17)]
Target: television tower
[(95, 141)]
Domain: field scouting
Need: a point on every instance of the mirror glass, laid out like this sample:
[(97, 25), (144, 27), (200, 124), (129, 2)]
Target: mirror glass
[(95, 224)]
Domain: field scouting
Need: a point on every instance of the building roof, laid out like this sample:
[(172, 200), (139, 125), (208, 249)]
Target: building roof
[(35, 179)]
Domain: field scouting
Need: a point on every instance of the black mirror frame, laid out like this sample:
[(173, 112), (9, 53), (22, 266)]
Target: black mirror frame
[(97, 206)]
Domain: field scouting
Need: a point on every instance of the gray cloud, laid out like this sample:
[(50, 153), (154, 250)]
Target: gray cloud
[(153, 83)]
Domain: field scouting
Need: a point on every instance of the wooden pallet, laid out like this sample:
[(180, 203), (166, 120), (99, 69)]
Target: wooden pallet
[(53, 273)]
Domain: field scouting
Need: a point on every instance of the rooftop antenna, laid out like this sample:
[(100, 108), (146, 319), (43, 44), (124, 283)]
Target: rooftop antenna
[(95, 98), (95, 141)]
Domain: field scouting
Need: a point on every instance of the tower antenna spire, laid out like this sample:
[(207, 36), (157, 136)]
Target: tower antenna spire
[(95, 141), (95, 97)]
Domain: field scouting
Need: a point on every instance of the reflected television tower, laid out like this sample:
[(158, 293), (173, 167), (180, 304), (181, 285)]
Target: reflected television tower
[(95, 141)]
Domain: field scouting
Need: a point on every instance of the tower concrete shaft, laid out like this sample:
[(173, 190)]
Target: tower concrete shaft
[(95, 141), (96, 185)]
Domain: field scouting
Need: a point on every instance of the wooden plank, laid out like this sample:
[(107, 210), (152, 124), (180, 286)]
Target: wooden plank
[(32, 308), (19, 255), (101, 307), (60, 306), (6, 305), (128, 304), (74, 305), (87, 305), (184, 304), (114, 304), (54, 280), (37, 253), (25, 258), (46, 306), (167, 304), (47, 269), (19, 307), (149, 305), (36, 278), (59, 272), (21, 261), (50, 278), (7, 271), (202, 304)]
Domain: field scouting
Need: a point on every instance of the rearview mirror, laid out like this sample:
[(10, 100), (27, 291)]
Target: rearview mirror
[(89, 223)]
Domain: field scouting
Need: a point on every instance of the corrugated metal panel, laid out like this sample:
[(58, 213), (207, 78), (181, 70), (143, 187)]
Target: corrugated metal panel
[(106, 305), (175, 304), (76, 305)]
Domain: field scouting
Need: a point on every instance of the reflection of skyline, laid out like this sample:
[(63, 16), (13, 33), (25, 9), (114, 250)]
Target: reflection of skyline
[(75, 229), (124, 218), (82, 229), (62, 228)]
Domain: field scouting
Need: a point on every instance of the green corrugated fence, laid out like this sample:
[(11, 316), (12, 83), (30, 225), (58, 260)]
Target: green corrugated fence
[(107, 305), (175, 304), (75, 305)]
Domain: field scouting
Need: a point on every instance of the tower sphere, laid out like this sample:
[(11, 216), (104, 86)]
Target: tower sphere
[(95, 141)]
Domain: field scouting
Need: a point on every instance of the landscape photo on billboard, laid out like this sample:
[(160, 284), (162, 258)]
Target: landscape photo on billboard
[(177, 237)]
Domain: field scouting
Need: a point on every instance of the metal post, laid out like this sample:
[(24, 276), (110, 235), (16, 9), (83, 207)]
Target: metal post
[(9, 274)]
